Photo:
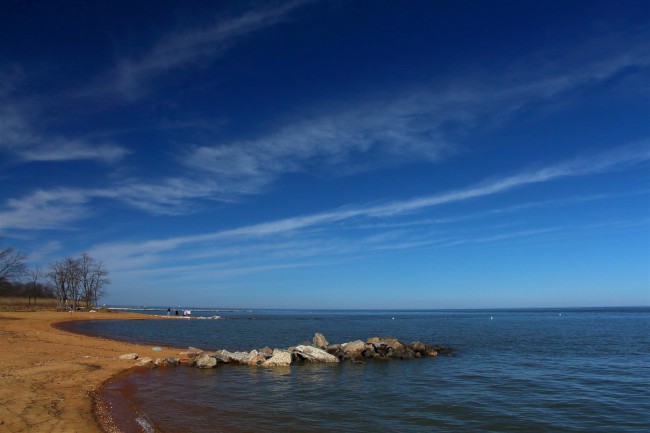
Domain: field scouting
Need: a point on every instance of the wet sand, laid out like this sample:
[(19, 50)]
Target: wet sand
[(48, 377)]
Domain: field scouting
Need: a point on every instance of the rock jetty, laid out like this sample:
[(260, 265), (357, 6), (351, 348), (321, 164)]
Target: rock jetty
[(319, 352)]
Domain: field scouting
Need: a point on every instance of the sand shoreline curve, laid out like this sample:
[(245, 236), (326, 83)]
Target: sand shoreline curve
[(50, 377)]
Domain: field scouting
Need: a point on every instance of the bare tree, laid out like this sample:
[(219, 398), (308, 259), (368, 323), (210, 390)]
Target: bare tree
[(64, 277), (57, 280), (93, 277), (73, 277), (74, 280), (12, 265), (34, 275)]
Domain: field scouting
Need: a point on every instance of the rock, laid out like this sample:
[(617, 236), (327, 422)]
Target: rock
[(129, 356), (266, 350), (417, 346), (280, 358), (320, 340), (256, 358), (389, 347), (169, 362), (393, 343), (145, 362), (335, 349), (233, 357), (240, 357), (206, 361), (373, 340), (313, 354), (187, 362), (380, 349), (353, 349), (369, 351), (221, 357)]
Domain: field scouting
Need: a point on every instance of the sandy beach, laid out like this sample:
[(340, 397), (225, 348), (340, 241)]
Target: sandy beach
[(48, 376)]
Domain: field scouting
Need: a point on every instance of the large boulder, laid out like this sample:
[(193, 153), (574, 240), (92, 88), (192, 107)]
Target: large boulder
[(369, 351), (313, 354), (255, 358), (353, 349), (280, 358), (233, 357), (320, 340), (335, 349), (389, 347), (222, 356), (392, 343), (206, 361)]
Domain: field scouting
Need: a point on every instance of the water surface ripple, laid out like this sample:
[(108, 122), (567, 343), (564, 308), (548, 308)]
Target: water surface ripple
[(513, 371)]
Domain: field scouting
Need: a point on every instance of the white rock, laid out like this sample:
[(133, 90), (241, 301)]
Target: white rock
[(314, 354)]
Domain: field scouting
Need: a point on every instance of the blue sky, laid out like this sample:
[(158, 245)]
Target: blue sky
[(332, 154)]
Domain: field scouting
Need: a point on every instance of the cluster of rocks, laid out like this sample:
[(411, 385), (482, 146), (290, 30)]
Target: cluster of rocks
[(319, 350)]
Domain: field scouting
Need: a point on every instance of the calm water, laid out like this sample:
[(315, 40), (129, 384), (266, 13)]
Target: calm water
[(539, 370)]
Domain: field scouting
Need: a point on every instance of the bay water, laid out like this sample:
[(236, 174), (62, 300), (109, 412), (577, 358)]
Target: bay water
[(555, 370)]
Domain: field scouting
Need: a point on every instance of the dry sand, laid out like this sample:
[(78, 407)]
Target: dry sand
[(48, 376)]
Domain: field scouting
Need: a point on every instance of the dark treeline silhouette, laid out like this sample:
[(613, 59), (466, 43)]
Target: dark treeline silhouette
[(26, 290)]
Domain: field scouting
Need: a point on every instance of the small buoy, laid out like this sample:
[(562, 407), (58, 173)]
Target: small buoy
[(393, 318), (491, 318)]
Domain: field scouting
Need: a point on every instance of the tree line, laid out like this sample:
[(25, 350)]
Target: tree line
[(72, 281)]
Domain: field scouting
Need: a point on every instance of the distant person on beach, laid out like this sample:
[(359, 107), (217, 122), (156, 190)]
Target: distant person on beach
[(177, 312), (169, 311)]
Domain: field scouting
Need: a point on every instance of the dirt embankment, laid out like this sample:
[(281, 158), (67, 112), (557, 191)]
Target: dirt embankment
[(47, 376)]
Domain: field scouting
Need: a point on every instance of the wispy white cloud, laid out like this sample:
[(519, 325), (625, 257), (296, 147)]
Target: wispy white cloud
[(422, 124), (71, 150), (365, 137), (58, 208), (45, 210), (52, 209), (617, 159), (20, 140), (196, 45)]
